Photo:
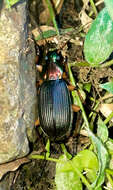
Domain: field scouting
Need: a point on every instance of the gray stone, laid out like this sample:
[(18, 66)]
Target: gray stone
[(17, 84)]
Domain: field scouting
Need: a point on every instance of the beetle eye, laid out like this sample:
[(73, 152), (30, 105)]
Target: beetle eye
[(46, 57), (58, 57)]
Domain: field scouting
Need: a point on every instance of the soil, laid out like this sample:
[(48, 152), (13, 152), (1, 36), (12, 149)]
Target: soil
[(39, 174)]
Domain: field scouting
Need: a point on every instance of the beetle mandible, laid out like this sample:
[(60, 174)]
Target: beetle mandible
[(54, 101)]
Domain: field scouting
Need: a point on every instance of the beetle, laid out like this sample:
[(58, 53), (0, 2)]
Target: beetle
[(54, 100)]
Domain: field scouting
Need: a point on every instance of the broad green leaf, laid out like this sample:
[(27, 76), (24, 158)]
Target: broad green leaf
[(109, 5), (66, 177), (103, 158), (88, 161), (108, 86), (99, 39), (91, 175), (102, 131), (10, 3), (67, 180), (67, 165)]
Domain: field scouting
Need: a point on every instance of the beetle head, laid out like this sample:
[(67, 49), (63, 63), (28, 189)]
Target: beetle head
[(54, 65), (53, 57)]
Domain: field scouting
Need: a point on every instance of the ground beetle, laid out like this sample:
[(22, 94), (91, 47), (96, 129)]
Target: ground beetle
[(54, 101)]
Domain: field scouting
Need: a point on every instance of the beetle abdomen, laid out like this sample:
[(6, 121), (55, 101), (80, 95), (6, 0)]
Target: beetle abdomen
[(55, 111)]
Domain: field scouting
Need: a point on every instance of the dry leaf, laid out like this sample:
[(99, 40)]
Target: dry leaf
[(39, 68), (85, 20), (85, 4), (58, 5), (107, 96), (12, 166), (106, 109)]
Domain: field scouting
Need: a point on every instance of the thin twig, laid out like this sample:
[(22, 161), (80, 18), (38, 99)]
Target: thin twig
[(99, 2)]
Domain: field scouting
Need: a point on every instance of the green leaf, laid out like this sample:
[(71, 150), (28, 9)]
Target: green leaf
[(108, 86), (51, 33), (67, 180), (109, 145), (102, 131), (111, 165), (46, 34), (66, 176), (10, 3), (86, 159), (99, 39), (88, 162), (87, 87), (103, 158), (109, 5)]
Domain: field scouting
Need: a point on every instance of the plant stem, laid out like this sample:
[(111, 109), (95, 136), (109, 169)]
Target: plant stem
[(63, 148), (110, 179), (86, 64), (76, 95), (52, 14), (93, 6), (108, 118), (80, 64), (107, 64), (36, 156), (68, 156), (109, 171)]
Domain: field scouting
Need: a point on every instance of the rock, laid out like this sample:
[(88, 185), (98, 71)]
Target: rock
[(17, 84)]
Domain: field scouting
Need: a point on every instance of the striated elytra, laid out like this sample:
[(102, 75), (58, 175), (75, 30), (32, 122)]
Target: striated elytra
[(54, 102)]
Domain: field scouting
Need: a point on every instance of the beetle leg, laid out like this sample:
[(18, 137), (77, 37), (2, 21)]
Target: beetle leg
[(39, 82), (39, 68), (36, 59), (37, 123), (75, 108), (71, 87), (78, 124), (64, 75)]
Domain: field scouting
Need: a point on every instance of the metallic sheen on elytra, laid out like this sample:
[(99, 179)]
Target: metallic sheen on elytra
[(55, 112)]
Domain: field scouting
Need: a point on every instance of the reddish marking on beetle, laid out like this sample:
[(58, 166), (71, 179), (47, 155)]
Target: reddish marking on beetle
[(54, 72)]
